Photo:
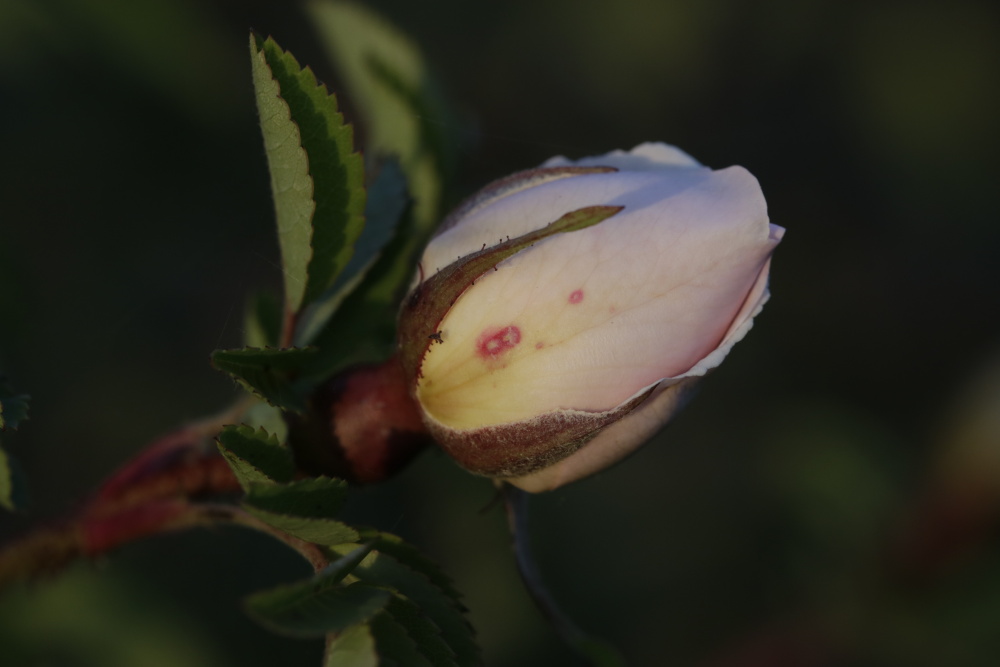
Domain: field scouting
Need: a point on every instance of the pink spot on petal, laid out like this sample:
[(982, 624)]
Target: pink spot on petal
[(495, 341), (539, 345), (576, 296)]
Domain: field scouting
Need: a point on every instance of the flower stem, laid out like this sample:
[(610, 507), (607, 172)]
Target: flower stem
[(152, 493), (595, 651)]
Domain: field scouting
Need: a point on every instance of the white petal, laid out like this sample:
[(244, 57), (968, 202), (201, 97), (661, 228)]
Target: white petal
[(601, 312), (612, 444), (644, 157)]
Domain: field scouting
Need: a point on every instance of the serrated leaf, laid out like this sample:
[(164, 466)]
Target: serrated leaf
[(394, 644), (363, 330), (304, 509), (272, 374), (384, 208), (13, 406), (387, 80), (255, 455), (410, 556), (264, 415), (320, 604), (291, 185), (313, 613), (354, 647), (403, 115), (425, 634), (407, 576), (262, 321), (336, 170)]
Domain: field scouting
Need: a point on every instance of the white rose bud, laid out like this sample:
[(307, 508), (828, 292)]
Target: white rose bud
[(560, 313)]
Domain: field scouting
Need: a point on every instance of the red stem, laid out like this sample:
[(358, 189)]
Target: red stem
[(154, 492)]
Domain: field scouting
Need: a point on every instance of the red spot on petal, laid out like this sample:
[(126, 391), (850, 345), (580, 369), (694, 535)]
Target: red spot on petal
[(494, 342), (576, 296), (539, 345)]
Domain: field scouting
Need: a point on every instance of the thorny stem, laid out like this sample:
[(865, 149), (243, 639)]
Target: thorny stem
[(314, 554), (594, 651), (46, 551), (152, 493)]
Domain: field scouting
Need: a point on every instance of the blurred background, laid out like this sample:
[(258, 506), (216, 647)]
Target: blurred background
[(832, 496)]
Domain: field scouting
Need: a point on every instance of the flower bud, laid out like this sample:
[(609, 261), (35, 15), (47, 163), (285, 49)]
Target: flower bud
[(361, 425), (560, 314)]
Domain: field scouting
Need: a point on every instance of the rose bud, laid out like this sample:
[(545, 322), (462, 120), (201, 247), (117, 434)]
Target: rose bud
[(560, 314)]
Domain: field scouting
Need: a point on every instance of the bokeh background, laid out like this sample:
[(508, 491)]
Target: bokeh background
[(832, 496)]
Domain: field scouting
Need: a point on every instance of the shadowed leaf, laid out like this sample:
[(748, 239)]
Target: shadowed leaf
[(354, 647), (304, 509), (255, 456), (319, 604), (385, 206), (423, 584), (262, 322), (13, 406), (272, 374)]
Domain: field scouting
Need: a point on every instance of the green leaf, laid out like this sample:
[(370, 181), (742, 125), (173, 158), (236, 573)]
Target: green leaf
[(402, 111), (13, 411), (13, 406), (272, 374), (337, 171), (394, 643), (304, 509), (354, 647), (413, 558), (312, 611), (255, 456), (266, 416), (262, 322), (291, 185), (404, 115), (12, 488), (422, 631), (386, 203), (319, 605), (395, 565), (363, 330)]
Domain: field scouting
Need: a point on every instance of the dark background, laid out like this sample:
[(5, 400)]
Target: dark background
[(766, 521)]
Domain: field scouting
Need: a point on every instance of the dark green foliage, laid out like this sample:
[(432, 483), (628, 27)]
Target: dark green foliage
[(255, 456), (291, 184), (13, 410), (319, 604), (304, 508), (410, 613), (355, 647), (272, 374), (13, 406), (400, 568), (13, 494), (387, 202), (262, 321), (311, 609), (337, 172), (402, 111), (346, 256)]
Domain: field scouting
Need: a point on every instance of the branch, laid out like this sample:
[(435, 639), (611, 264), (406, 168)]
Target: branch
[(150, 494), (596, 651)]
